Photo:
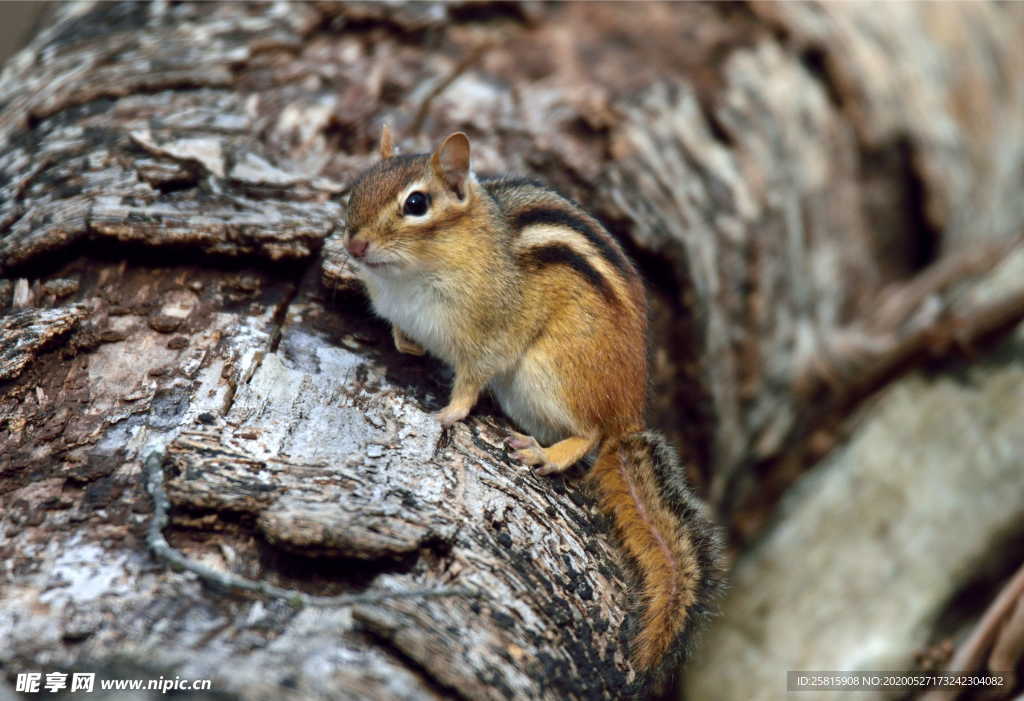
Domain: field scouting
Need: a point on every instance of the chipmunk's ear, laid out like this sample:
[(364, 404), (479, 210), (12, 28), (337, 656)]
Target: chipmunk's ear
[(387, 143), (450, 162)]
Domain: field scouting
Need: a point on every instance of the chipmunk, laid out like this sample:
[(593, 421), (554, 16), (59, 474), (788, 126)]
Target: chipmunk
[(525, 294)]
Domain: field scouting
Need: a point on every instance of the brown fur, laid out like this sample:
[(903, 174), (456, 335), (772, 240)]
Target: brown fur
[(553, 319), (666, 534)]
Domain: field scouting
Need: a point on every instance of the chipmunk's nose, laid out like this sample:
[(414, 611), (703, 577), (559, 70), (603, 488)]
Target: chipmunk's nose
[(357, 247)]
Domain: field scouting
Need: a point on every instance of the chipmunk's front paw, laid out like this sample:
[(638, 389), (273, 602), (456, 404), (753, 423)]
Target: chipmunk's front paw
[(452, 414), (404, 344)]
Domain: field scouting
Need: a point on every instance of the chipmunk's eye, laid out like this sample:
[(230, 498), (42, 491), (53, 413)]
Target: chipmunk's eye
[(416, 204)]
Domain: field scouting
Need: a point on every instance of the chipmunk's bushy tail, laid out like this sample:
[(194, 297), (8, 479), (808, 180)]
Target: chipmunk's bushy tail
[(671, 543)]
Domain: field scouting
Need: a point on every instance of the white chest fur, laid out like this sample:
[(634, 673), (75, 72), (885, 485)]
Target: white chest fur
[(418, 308)]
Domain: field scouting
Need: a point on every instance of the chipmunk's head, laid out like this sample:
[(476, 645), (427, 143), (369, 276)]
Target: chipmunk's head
[(404, 210)]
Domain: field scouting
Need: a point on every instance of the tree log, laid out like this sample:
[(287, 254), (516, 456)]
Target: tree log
[(171, 186)]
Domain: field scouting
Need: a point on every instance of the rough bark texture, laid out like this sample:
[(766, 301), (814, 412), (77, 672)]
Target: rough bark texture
[(171, 188)]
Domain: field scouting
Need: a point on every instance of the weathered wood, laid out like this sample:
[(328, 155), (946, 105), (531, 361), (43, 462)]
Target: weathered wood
[(778, 171), (24, 334)]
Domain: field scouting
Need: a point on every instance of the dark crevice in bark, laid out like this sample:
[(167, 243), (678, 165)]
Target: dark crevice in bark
[(716, 128), (320, 573), (925, 242), (170, 187), (986, 581), (487, 12), (816, 60), (87, 251), (383, 639), (323, 574), (895, 206), (334, 22)]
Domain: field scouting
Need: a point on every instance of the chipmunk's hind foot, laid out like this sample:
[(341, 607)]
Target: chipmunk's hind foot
[(549, 461)]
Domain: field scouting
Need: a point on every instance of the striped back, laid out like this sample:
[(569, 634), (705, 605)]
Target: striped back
[(550, 229)]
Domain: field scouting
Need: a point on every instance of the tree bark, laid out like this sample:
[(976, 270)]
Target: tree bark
[(789, 178)]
